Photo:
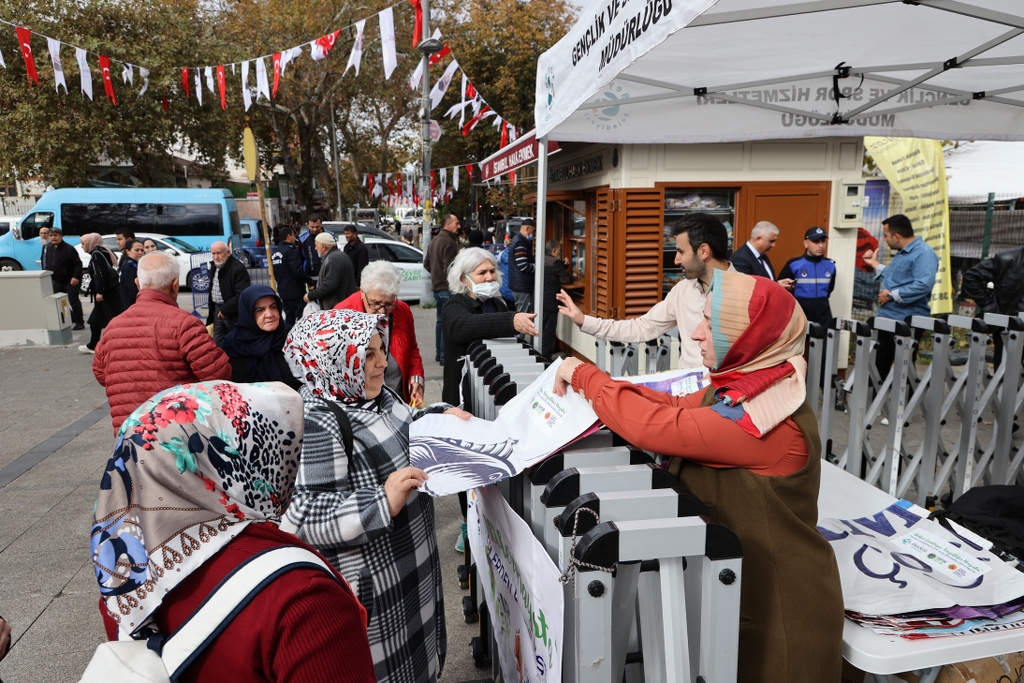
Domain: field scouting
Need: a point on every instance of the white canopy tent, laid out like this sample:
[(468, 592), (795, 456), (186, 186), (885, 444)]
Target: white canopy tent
[(699, 71)]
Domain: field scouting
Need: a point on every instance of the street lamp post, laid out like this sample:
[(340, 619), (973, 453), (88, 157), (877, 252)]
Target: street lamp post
[(427, 47)]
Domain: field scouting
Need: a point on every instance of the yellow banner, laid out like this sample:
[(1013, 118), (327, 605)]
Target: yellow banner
[(916, 169)]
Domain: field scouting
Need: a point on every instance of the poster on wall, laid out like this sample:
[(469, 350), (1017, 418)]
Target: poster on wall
[(520, 584)]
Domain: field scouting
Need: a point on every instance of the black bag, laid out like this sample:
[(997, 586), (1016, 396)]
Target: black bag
[(993, 512)]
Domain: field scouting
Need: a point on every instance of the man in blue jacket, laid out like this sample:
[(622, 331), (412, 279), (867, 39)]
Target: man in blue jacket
[(291, 278), (907, 283), (813, 276)]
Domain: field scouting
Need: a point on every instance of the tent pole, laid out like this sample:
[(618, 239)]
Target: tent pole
[(542, 200)]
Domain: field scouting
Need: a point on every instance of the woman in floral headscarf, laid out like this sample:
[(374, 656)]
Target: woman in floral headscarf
[(358, 505), (199, 477), (749, 448)]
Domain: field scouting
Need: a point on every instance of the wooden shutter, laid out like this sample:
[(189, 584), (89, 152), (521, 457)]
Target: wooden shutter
[(641, 220), (603, 256)]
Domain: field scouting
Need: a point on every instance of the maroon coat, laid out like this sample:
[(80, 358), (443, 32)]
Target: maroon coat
[(153, 346)]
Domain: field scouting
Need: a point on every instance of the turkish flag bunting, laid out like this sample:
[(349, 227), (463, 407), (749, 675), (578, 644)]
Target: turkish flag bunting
[(222, 85), (438, 56), (24, 41), (504, 134), (277, 73), (322, 46), (471, 124), (399, 182), (469, 170), (369, 179), (184, 80), (417, 29), (165, 104), (470, 91), (108, 85)]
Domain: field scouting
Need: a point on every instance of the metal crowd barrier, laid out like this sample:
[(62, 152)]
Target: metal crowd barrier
[(667, 608), (199, 276), (878, 449)]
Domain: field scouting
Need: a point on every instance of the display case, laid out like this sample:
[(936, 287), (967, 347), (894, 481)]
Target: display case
[(680, 201)]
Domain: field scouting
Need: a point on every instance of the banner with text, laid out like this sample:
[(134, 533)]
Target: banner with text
[(916, 169), (520, 584)]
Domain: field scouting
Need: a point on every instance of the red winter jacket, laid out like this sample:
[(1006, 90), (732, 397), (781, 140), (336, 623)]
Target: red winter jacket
[(152, 346), (303, 627), (402, 339)]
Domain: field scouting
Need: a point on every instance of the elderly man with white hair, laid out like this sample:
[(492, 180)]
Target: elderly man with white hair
[(337, 278), (154, 345), (378, 293), (752, 258), (228, 278)]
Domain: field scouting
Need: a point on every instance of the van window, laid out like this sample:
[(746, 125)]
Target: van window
[(33, 222), (236, 225), (81, 219), (186, 220)]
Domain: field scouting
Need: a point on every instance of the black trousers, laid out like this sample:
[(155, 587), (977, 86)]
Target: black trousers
[(885, 354), (292, 310), (550, 342), (76, 304)]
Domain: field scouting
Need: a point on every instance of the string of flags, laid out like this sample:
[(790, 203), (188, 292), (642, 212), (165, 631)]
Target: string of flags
[(398, 189)]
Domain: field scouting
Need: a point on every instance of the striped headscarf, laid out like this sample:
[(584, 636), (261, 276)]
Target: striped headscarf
[(758, 331)]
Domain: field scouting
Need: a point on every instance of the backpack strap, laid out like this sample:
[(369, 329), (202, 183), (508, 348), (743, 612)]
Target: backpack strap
[(223, 604), (343, 424)]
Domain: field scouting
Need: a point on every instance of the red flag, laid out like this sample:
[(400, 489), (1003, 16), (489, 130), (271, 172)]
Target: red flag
[(470, 91), (469, 170), (322, 46), (401, 189), (504, 134), (184, 80), (369, 189), (24, 41), (165, 104), (277, 73), (471, 124), (415, 195), (108, 85), (417, 29), (221, 85), (438, 56), (431, 180)]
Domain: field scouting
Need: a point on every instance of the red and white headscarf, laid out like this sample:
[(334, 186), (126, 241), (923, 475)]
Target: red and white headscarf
[(327, 351)]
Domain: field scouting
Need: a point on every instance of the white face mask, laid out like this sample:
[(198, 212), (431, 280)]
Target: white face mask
[(485, 290)]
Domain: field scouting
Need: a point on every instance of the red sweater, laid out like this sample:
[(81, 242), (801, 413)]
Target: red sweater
[(152, 346), (402, 344), (304, 626), (678, 426)]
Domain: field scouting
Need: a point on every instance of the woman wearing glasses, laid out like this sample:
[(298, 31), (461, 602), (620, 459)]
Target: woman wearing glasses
[(378, 293)]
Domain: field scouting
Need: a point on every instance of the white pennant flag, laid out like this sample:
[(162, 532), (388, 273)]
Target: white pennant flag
[(199, 86), (128, 74), (365, 176), (262, 84), (512, 134), (2, 62), (444, 180), (455, 178), (497, 121), (246, 94), (356, 56), (387, 41), (441, 87), (145, 80), (232, 69), (289, 56), (83, 66), (378, 189), (58, 70), (417, 75), (209, 79)]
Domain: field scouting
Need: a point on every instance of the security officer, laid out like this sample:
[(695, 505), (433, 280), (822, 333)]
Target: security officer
[(814, 277)]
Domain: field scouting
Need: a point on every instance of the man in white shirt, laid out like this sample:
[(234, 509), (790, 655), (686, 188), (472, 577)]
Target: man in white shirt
[(702, 244)]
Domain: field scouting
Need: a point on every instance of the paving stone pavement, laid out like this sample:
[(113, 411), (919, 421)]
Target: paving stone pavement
[(47, 589)]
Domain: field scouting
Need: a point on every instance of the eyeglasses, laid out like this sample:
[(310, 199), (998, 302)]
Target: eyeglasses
[(378, 306)]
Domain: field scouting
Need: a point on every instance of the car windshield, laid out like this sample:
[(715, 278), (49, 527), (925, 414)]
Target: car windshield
[(180, 245)]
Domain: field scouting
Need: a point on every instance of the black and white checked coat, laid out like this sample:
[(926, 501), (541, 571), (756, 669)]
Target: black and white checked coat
[(339, 507)]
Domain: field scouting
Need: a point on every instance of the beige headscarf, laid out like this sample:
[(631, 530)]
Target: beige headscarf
[(92, 240)]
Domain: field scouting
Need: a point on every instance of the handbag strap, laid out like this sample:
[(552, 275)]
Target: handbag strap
[(224, 603)]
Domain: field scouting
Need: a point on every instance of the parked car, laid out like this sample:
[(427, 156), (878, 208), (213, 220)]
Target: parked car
[(409, 260), (254, 249), (7, 223), (178, 248), (336, 228)]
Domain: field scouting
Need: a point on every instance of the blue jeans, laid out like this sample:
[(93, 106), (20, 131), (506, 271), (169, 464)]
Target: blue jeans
[(441, 298)]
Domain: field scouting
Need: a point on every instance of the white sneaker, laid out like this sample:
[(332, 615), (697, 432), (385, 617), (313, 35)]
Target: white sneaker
[(85, 349), (885, 420)]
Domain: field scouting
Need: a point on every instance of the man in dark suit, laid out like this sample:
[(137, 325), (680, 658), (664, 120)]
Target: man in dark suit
[(65, 268), (228, 277), (752, 257)]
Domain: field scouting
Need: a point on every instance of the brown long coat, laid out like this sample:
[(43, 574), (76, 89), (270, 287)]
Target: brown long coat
[(791, 602)]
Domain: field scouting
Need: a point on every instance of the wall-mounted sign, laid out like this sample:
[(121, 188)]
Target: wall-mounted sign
[(577, 169)]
